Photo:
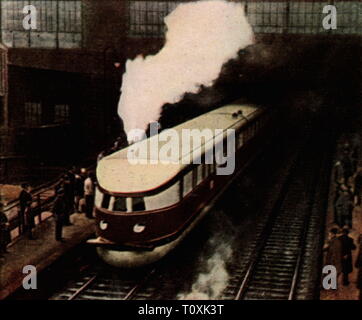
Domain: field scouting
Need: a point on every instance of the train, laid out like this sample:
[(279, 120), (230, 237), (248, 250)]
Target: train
[(144, 210)]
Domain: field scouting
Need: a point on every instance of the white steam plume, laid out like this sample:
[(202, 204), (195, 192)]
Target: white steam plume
[(202, 36), (210, 284)]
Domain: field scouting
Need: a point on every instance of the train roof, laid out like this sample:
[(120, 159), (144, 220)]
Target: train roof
[(116, 174)]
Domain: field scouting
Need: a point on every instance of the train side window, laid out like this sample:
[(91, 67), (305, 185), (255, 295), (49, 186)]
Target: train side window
[(194, 177), (105, 201), (187, 183), (210, 168), (164, 199), (138, 204), (224, 154), (199, 174), (119, 204), (240, 140)]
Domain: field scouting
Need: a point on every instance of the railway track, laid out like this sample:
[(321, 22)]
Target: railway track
[(281, 262), (105, 285)]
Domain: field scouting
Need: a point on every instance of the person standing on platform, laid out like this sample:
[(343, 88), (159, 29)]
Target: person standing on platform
[(347, 247), (4, 230), (359, 266), (60, 212), (71, 176), (25, 200), (30, 222), (78, 191), (347, 167), (68, 199), (358, 187), (89, 196), (343, 208), (338, 173), (333, 251), (356, 149)]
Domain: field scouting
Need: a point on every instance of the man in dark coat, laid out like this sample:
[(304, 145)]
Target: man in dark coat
[(343, 208), (347, 167), (359, 266), (333, 250), (25, 200), (4, 231), (338, 173), (68, 190), (347, 247), (358, 187), (71, 176), (60, 212), (78, 191)]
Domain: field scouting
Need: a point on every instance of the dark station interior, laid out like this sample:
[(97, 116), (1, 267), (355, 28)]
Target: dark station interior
[(60, 86)]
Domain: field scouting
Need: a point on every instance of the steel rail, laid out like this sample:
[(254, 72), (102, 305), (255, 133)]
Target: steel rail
[(268, 228), (83, 288)]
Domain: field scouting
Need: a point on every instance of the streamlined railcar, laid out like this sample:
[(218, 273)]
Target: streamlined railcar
[(144, 209)]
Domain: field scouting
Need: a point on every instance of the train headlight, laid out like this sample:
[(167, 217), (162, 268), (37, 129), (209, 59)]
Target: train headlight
[(103, 225), (138, 227)]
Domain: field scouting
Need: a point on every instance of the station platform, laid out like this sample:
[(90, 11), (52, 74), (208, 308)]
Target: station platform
[(350, 292), (42, 251)]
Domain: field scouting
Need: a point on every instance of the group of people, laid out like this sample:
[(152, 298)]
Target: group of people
[(348, 181), (348, 195), (74, 186), (74, 193), (25, 218)]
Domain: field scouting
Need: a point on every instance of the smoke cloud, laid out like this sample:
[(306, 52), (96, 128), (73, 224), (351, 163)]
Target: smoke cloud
[(213, 276), (210, 284), (201, 37)]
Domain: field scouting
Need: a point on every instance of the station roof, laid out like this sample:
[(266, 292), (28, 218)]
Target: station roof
[(116, 173)]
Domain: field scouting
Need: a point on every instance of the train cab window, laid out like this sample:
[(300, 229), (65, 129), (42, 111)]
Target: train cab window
[(119, 204), (105, 201), (138, 204)]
